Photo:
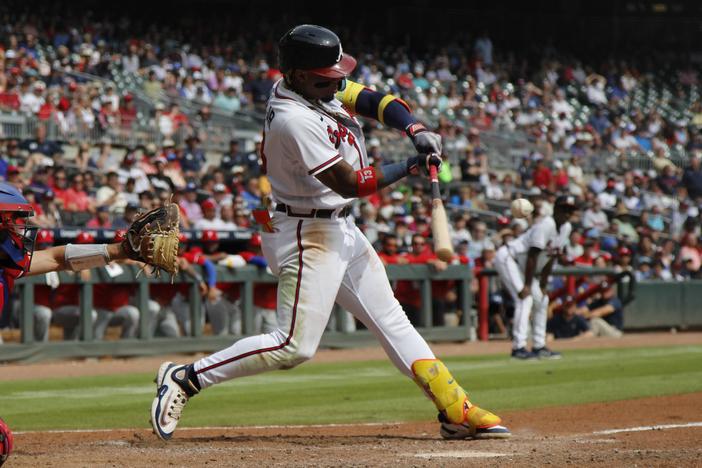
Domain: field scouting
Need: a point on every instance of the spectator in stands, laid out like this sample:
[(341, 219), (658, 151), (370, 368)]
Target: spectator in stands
[(689, 254), (479, 239), (625, 228), (459, 229), (130, 213), (595, 218), (252, 195), (210, 219), (472, 166), (260, 88), (568, 323), (493, 190), (598, 183), (227, 215), (692, 178), (608, 197), (75, 198), (193, 163), (152, 86), (189, 204), (159, 179), (32, 100), (541, 175), (606, 314), (130, 168), (231, 158), (111, 194), (101, 220), (228, 100)]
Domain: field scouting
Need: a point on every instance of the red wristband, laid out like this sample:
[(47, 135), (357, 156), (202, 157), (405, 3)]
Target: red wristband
[(366, 181)]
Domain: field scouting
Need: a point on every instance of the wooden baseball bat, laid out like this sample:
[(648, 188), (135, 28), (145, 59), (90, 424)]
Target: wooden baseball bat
[(439, 221)]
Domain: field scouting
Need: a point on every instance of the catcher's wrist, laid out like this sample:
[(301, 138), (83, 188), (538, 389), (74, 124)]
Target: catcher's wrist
[(83, 257)]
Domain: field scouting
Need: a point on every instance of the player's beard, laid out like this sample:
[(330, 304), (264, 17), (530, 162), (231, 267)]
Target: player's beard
[(327, 98)]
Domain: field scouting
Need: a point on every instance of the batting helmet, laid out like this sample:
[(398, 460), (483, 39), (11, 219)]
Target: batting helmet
[(5, 442), (16, 237), (85, 238), (316, 49)]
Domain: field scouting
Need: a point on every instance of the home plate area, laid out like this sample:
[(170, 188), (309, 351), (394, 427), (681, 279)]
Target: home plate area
[(629, 432)]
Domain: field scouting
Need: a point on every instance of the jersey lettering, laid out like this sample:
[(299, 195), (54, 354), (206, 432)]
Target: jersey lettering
[(270, 116), (263, 154), (342, 134)]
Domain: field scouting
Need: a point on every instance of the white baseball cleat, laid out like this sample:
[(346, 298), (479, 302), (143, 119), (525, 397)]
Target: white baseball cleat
[(171, 397)]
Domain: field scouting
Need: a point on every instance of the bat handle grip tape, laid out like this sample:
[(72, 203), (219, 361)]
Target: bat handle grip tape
[(433, 176)]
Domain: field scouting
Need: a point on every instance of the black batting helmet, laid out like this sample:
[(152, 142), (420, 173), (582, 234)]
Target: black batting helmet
[(316, 49)]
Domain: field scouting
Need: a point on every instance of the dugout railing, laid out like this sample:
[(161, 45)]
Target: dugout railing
[(196, 341)]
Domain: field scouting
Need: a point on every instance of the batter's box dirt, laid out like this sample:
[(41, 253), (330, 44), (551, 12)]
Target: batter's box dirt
[(545, 437)]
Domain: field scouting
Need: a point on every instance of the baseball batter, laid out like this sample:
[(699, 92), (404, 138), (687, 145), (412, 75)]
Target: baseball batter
[(315, 157), (516, 263)]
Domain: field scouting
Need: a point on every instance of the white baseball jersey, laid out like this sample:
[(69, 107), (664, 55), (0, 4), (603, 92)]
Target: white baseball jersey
[(300, 141), (542, 235)]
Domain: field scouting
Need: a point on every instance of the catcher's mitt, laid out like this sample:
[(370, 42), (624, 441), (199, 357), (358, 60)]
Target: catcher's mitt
[(153, 238), (5, 442)]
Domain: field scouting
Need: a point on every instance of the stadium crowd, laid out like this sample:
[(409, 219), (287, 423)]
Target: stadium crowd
[(642, 220)]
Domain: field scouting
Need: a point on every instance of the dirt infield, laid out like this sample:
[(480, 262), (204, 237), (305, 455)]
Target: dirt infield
[(550, 436)]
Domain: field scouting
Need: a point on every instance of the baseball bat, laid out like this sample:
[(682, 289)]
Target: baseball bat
[(439, 221)]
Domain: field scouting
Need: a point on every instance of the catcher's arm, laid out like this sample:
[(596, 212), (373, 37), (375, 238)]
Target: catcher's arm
[(54, 258)]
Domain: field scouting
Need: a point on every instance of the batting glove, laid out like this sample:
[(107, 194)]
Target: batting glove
[(424, 141), (423, 161)]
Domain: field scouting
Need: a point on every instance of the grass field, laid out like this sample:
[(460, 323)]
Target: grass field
[(369, 391)]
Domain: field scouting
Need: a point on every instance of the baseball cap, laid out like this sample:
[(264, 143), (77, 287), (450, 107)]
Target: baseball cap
[(191, 187), (13, 169), (566, 201), (624, 251), (208, 205), (84, 238), (45, 236), (219, 188), (568, 300), (209, 235)]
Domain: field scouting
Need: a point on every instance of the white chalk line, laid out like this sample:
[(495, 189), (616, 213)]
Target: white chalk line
[(649, 428), (331, 425), (457, 454), (210, 428)]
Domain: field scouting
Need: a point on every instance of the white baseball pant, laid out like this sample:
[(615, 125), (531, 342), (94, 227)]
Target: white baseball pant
[(319, 262), (512, 278)]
